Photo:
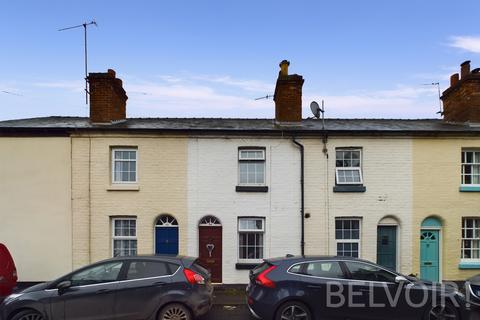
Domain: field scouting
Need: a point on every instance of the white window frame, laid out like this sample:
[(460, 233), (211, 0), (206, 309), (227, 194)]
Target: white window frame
[(359, 168), (113, 150), (114, 237), (262, 160), (464, 151), (464, 226), (262, 231), (358, 241)]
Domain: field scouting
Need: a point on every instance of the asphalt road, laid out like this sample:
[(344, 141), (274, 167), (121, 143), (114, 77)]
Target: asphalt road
[(232, 312)]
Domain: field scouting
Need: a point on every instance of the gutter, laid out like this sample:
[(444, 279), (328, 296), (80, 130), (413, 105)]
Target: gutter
[(302, 187)]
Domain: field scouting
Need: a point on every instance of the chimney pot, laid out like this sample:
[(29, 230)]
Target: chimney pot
[(284, 67), (465, 68), (111, 73), (454, 79)]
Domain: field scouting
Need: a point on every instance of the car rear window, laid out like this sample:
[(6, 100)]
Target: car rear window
[(149, 269)]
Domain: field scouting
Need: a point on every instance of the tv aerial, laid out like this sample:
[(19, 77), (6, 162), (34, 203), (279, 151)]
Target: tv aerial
[(84, 25), (318, 111), (437, 84)]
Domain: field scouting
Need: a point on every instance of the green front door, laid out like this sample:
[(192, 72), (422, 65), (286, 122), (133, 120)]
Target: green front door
[(387, 246), (429, 255)]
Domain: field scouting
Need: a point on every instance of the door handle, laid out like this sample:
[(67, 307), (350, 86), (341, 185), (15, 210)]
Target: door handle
[(102, 291), (159, 283)]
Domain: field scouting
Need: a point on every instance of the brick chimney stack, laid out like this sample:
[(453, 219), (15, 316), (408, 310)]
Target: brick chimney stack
[(461, 102), (108, 99), (288, 96)]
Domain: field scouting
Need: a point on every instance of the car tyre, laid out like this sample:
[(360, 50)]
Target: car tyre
[(293, 310), (442, 311), (175, 311), (28, 315)]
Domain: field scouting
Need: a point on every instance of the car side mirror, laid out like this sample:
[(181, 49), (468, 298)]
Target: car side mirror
[(64, 285), (400, 279)]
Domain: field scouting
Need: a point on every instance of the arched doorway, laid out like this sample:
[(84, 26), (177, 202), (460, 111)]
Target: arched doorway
[(210, 246), (166, 235), (387, 242), (430, 249)]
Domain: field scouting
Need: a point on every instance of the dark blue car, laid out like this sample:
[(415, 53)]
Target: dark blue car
[(305, 288), (140, 287)]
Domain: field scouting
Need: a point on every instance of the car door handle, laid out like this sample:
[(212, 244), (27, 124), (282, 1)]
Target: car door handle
[(102, 291), (159, 283)]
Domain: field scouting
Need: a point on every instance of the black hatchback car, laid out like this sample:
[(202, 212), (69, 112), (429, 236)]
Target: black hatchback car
[(140, 287), (305, 288)]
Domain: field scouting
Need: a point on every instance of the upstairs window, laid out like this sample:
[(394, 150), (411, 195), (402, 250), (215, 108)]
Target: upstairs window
[(349, 166), (124, 165), (251, 167), (471, 167)]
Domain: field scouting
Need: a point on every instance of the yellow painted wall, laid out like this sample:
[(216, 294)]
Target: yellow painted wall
[(162, 189), (436, 182), (35, 211)]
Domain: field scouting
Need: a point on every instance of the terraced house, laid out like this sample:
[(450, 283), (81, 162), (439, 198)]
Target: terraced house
[(235, 191)]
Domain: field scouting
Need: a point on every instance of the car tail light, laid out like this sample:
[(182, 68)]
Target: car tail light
[(193, 277), (263, 280)]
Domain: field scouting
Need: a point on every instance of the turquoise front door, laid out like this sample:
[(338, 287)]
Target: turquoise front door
[(387, 246), (429, 255)]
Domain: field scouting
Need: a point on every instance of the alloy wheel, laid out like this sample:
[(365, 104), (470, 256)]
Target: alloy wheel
[(294, 312), (175, 313), (31, 316), (442, 312)]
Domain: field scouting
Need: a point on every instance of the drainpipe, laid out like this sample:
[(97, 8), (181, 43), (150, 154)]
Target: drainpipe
[(302, 187)]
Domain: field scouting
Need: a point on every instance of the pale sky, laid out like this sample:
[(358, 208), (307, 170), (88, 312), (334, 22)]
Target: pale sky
[(213, 58)]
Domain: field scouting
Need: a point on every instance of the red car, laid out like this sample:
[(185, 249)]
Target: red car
[(8, 272)]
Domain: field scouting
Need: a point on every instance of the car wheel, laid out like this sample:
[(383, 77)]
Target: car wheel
[(175, 311), (440, 312), (293, 310), (28, 315)]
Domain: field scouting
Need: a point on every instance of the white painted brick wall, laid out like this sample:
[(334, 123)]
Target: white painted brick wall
[(212, 178)]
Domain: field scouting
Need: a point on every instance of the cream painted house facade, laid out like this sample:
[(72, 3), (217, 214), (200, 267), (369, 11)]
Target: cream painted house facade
[(359, 216), (446, 208), (102, 205), (35, 206)]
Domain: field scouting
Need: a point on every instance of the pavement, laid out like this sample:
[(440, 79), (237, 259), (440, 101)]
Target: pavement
[(228, 303)]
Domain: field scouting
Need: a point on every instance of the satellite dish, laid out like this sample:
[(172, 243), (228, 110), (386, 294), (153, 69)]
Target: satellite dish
[(315, 109)]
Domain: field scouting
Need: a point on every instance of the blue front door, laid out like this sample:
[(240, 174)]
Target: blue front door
[(430, 255), (166, 240)]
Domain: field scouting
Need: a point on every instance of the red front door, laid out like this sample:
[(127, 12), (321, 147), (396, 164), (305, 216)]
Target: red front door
[(210, 250)]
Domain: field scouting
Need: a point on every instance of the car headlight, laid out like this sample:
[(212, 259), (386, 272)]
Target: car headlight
[(12, 297)]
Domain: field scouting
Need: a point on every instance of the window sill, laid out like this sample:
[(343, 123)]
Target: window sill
[(469, 188), (245, 266), (123, 187), (469, 265), (349, 188), (251, 188)]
